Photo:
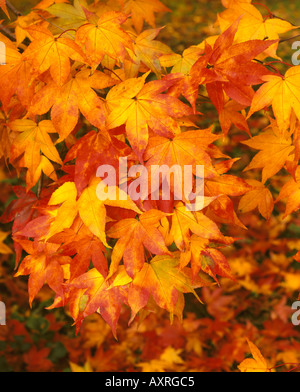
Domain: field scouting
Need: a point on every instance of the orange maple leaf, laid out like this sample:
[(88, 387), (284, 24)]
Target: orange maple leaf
[(140, 105), (260, 197), (141, 10), (133, 236), (105, 37), (54, 53), (66, 101)]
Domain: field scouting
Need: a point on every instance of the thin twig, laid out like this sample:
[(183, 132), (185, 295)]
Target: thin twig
[(13, 8), (263, 5), (278, 62), (110, 70), (288, 39), (40, 185), (53, 24), (279, 17), (7, 32), (269, 65)]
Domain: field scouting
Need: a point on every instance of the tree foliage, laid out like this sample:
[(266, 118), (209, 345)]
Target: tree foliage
[(86, 84)]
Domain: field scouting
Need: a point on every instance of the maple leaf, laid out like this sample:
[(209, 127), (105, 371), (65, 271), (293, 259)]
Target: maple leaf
[(255, 364), (291, 191), (209, 260), (229, 3), (218, 304), (86, 368), (105, 38), (54, 53), (133, 236), (226, 184), (94, 295), (93, 212), (66, 101), (141, 10), (47, 3), (186, 148), (274, 151), (64, 215), (43, 266), (166, 362), (91, 151), (223, 185), (4, 249), (184, 222), (222, 210), (161, 278), (32, 139), (182, 64), (282, 92), (230, 114), (253, 25), (147, 51), (85, 247), (260, 197), (229, 67), (37, 360), (17, 77), (67, 16), (140, 105), (21, 211), (98, 254)]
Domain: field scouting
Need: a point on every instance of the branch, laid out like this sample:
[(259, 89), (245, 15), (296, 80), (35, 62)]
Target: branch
[(288, 39), (278, 17), (7, 33), (40, 185), (13, 8)]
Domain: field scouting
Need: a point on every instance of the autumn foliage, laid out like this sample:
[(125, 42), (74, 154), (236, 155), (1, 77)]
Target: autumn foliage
[(86, 84)]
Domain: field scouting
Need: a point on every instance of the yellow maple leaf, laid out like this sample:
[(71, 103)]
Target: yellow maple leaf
[(86, 368), (168, 360), (141, 10), (274, 151), (282, 92), (259, 197), (255, 364)]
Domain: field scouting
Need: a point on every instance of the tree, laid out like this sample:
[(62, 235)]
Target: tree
[(88, 87)]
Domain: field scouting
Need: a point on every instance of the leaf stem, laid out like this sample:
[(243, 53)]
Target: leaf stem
[(271, 66), (65, 31), (286, 363), (110, 70), (263, 5), (278, 62)]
